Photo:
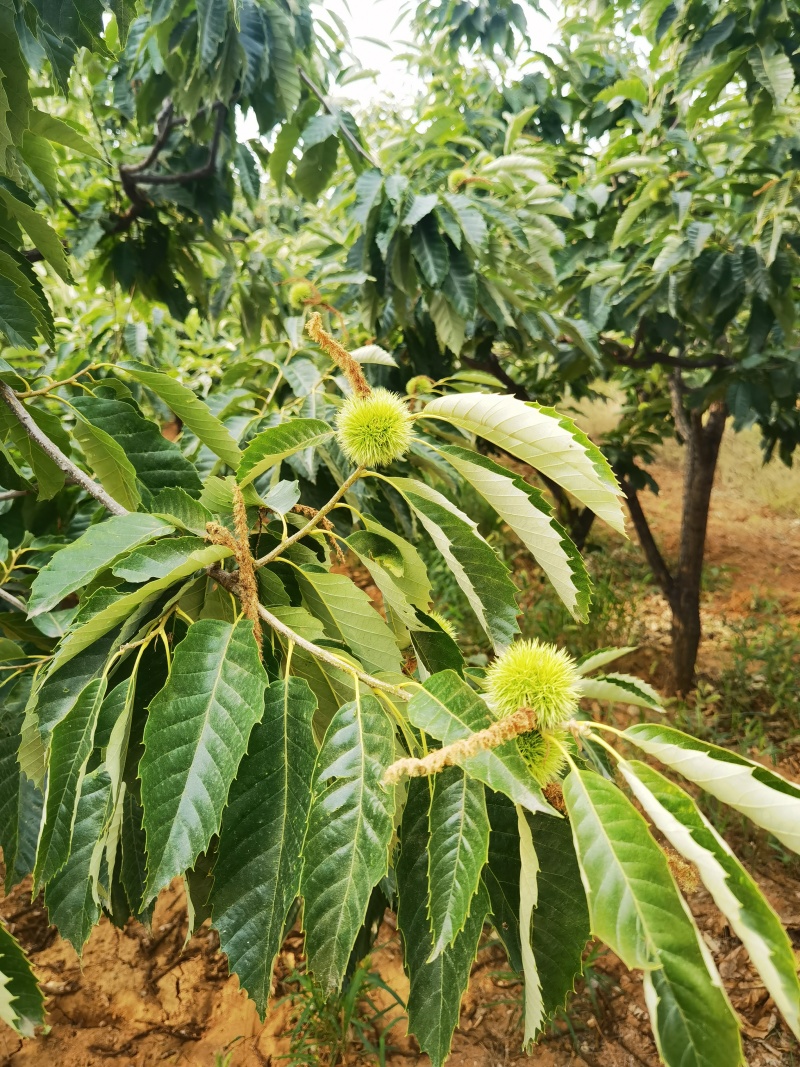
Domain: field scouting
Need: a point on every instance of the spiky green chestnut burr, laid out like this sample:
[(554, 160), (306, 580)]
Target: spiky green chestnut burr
[(374, 430), (543, 754), (299, 293), (532, 674)]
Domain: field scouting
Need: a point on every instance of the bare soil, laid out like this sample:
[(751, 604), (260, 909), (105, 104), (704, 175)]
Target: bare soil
[(139, 998)]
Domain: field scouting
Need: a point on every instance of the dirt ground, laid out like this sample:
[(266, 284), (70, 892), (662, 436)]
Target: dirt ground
[(140, 998)]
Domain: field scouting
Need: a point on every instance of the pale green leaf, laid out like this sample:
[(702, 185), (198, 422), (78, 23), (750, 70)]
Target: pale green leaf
[(108, 460), (39, 230), (735, 893), (621, 689), (61, 132), (603, 656), (769, 800), (78, 563), (550, 442), (21, 1000)]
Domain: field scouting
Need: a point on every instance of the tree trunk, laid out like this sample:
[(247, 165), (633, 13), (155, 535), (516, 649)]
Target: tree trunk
[(702, 451)]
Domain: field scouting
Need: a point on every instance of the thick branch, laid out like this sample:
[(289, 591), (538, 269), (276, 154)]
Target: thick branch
[(313, 521), (676, 391), (315, 89), (186, 176), (228, 581), (644, 360), (74, 473), (658, 565)]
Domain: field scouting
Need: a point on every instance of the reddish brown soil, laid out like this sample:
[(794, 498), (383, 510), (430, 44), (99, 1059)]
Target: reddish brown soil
[(140, 998)]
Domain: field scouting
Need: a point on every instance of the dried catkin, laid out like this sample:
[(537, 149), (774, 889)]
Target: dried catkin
[(339, 354), (240, 546), (505, 730)]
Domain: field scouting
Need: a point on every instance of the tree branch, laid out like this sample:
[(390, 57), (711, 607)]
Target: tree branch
[(12, 494), (658, 566), (74, 473), (186, 176), (630, 358), (677, 392), (315, 89), (12, 600)]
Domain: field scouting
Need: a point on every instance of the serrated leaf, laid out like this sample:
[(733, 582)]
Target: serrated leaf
[(624, 89), (40, 232), (374, 354), (350, 825), (470, 220), (369, 186), (436, 988), (774, 71), (636, 909), (460, 285), (109, 462), (601, 658), (61, 132), (190, 409), (528, 898), (449, 325), (257, 873), (765, 797), (430, 252), (317, 165), (21, 1000), (178, 508), (347, 614), (735, 893), (78, 563), (421, 206), (449, 710), (282, 59), (70, 748), (478, 571), (501, 875), (58, 695), (550, 442), (69, 897), (621, 689), (531, 518), (195, 737), (159, 463), (457, 850), (212, 21), (49, 477), (560, 923), (273, 445)]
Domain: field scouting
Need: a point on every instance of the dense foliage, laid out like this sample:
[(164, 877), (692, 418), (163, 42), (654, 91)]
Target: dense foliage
[(242, 393)]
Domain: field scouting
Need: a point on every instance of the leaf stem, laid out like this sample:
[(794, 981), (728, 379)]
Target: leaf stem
[(53, 452), (13, 601), (312, 522)]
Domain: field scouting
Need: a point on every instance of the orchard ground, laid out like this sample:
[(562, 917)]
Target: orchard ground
[(141, 998)]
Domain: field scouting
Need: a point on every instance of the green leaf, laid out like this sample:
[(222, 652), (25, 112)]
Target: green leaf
[(413, 581), (478, 571), (621, 689), (774, 71), (195, 737), (472, 223), (178, 508), (600, 658), (461, 286), (449, 710), (735, 893), (21, 1000), (624, 89), (70, 748), (58, 694), (38, 156), (457, 851), (115, 608), (16, 807), (49, 477), (369, 186), (430, 252), (212, 22), (109, 462), (159, 559), (766, 798), (420, 207), (531, 518), (560, 923), (550, 442), (285, 143), (449, 325), (501, 874), (257, 873), (282, 58), (69, 897), (528, 899), (78, 563), (316, 168), (159, 463), (272, 446), (436, 988), (347, 613), (133, 868), (64, 133), (346, 851), (636, 909), (190, 409), (40, 232)]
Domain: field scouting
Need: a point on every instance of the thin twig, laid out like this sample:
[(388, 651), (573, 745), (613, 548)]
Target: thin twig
[(309, 526), (315, 89), (53, 452), (12, 494), (228, 581), (13, 601)]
